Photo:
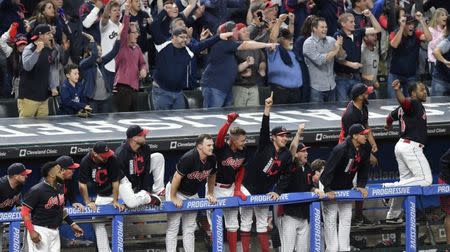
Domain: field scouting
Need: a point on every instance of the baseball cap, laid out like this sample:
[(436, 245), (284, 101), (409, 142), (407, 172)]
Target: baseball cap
[(18, 169), (20, 39), (67, 162), (279, 131), (136, 130), (39, 30), (302, 147), (360, 89), (101, 148), (410, 19), (270, 4), (358, 129)]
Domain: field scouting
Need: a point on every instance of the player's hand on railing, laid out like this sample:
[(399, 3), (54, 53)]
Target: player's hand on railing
[(211, 198), (388, 127), (91, 205), (319, 192), (363, 191), (119, 206), (274, 195), (177, 202), (78, 206)]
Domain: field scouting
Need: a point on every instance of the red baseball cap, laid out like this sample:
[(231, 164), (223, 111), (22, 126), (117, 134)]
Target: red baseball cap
[(18, 169), (101, 148)]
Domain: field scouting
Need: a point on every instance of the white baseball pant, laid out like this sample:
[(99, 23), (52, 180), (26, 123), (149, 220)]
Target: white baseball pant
[(49, 240), (413, 168), (294, 233), (157, 168), (130, 199), (230, 214), (337, 236), (189, 224), (261, 213)]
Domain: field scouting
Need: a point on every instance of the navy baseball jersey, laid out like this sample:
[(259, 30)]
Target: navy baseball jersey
[(9, 197)]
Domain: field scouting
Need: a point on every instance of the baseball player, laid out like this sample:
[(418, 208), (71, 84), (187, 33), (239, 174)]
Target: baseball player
[(70, 184), (413, 166), (231, 157), (346, 159), (444, 178), (139, 164), (357, 112), (193, 168), (271, 159), (103, 168), (293, 219), (45, 202), (10, 190), (11, 186)]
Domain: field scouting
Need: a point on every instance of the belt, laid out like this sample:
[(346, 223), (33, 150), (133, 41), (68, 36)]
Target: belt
[(407, 141), (226, 186), (348, 75), (52, 227)]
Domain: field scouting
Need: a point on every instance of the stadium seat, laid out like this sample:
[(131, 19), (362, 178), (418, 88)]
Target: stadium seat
[(8, 108)]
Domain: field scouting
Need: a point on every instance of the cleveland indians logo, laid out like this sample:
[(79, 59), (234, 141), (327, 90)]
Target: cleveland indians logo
[(233, 163), (101, 176), (199, 175), (138, 164), (55, 201), (10, 202)]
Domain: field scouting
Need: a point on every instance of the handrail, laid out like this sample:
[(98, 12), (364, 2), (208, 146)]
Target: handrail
[(374, 192)]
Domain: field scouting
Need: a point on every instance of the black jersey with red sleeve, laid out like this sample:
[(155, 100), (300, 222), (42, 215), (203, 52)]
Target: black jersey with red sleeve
[(136, 165), (194, 171), (298, 179), (413, 120), (352, 115), (268, 164), (46, 203), (229, 162), (101, 174), (342, 165), (9, 197)]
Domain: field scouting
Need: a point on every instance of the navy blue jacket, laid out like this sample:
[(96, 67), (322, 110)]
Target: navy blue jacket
[(88, 68), (69, 105)]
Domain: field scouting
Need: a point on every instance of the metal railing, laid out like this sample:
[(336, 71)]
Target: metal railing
[(374, 192)]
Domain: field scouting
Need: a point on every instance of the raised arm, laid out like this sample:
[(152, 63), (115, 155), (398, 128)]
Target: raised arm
[(220, 141), (296, 140), (264, 133), (426, 32), (189, 8), (398, 36), (253, 45), (376, 26), (404, 102), (89, 19), (276, 28)]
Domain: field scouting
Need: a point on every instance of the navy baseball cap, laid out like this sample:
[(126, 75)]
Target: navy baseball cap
[(67, 162), (279, 131), (302, 147), (358, 129), (136, 130), (360, 89), (39, 30), (101, 148), (18, 169)]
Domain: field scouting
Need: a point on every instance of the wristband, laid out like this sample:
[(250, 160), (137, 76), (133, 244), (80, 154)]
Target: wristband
[(29, 226), (68, 220)]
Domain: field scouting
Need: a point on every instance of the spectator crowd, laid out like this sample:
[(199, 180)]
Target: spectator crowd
[(95, 56)]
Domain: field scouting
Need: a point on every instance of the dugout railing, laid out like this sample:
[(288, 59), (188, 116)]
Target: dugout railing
[(374, 192)]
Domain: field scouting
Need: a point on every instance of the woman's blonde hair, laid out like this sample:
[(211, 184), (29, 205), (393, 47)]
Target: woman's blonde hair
[(437, 13)]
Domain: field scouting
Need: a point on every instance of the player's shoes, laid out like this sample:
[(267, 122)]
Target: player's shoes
[(154, 200), (398, 220)]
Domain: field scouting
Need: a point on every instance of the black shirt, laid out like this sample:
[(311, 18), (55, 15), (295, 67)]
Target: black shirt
[(9, 197), (445, 167), (194, 171), (353, 115), (228, 163), (405, 57), (342, 165), (299, 179), (268, 164), (413, 120), (101, 174), (46, 203), (34, 83), (352, 48), (70, 191), (135, 165)]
